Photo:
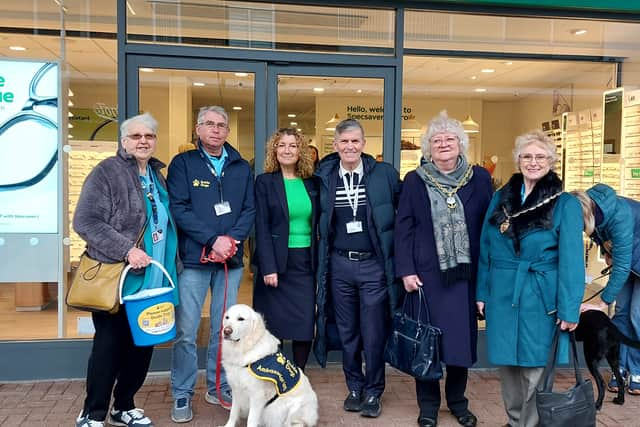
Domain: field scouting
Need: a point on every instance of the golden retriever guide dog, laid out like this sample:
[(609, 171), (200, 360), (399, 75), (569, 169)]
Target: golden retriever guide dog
[(267, 389)]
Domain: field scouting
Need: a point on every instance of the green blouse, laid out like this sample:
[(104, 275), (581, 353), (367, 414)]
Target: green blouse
[(299, 213)]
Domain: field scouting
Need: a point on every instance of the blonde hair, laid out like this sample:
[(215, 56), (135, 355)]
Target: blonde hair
[(304, 165), (532, 137), (588, 207)]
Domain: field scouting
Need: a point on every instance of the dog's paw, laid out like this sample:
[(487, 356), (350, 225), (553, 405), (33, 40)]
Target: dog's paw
[(618, 400)]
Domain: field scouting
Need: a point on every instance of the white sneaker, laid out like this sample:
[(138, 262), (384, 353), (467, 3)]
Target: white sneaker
[(132, 418), (87, 422)]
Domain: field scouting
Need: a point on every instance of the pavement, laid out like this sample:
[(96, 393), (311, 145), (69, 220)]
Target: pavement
[(57, 403)]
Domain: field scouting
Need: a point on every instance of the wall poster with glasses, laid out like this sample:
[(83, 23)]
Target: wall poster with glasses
[(29, 140)]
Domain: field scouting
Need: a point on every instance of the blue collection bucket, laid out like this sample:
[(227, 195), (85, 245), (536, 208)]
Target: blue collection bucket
[(151, 312)]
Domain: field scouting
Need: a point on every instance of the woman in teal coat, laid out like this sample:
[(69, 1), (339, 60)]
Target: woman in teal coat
[(530, 273), (613, 222)]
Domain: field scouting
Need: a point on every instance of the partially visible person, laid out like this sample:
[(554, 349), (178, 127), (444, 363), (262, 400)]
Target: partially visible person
[(315, 157), (358, 198), (286, 219), (613, 222), (379, 158), (211, 190), (186, 147), (122, 198), (530, 274), (437, 244)]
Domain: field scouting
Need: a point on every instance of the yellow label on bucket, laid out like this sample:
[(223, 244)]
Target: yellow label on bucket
[(157, 319)]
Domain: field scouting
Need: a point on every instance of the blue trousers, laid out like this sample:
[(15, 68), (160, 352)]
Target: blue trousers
[(360, 299), (627, 319), (193, 284)]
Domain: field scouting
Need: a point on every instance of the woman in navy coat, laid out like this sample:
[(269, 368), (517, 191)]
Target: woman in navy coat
[(286, 218), (437, 234)]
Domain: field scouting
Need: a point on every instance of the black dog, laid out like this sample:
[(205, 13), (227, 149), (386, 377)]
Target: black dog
[(601, 338)]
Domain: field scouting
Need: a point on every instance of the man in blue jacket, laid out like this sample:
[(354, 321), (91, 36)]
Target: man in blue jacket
[(358, 197), (211, 200)]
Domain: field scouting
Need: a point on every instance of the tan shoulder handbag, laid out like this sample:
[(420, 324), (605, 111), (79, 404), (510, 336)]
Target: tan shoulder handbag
[(96, 284)]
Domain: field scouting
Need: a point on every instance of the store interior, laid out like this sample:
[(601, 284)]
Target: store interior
[(500, 76)]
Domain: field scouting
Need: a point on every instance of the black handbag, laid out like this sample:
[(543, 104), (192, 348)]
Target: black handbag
[(573, 407), (414, 345)]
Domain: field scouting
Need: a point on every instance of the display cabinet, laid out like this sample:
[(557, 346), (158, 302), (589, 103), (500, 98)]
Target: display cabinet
[(631, 145), (581, 135), (83, 157)]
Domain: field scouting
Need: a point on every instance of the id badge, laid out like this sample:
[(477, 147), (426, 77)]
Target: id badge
[(354, 227), (222, 208), (157, 236)]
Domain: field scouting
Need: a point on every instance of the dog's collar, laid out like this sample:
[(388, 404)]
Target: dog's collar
[(277, 369)]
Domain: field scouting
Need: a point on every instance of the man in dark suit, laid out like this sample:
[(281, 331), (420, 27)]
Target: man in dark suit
[(355, 269)]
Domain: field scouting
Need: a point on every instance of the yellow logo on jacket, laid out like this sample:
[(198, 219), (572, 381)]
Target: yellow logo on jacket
[(201, 183), (277, 369)]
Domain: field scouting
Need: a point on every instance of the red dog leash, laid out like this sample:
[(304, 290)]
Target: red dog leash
[(213, 256)]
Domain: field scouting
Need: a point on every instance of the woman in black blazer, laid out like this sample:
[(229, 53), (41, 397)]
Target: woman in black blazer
[(286, 217)]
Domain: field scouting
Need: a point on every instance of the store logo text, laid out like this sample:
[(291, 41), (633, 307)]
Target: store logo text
[(5, 96)]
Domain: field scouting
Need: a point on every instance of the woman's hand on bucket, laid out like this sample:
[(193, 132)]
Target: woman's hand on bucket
[(138, 258)]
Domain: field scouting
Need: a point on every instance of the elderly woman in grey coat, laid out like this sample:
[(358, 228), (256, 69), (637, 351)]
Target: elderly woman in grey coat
[(123, 215)]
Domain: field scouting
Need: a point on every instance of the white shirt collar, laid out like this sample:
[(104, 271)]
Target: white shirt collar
[(359, 169)]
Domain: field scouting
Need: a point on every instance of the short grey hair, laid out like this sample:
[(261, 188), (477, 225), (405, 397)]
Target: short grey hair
[(443, 124), (347, 125), (145, 119), (213, 109), (532, 137)]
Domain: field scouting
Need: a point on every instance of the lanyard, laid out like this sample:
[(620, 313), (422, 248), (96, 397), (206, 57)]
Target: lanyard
[(151, 189), (213, 172), (350, 192)]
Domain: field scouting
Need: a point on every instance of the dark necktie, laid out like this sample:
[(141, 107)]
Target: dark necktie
[(355, 178)]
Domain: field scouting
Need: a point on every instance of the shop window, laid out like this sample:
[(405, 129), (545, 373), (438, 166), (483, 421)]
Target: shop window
[(504, 98), (270, 26), (87, 105)]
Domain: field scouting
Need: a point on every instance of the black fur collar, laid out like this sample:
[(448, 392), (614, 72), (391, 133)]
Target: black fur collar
[(510, 199)]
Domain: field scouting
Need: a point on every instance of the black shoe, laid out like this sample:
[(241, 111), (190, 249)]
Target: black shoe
[(467, 419), (353, 402), (371, 407), (427, 422)]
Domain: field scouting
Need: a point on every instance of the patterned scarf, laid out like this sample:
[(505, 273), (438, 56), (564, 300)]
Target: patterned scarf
[(449, 224)]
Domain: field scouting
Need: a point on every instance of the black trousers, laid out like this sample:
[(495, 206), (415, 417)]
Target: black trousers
[(455, 384), (360, 299), (115, 360)]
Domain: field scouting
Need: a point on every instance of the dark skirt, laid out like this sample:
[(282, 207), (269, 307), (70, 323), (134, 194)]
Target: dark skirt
[(289, 309)]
